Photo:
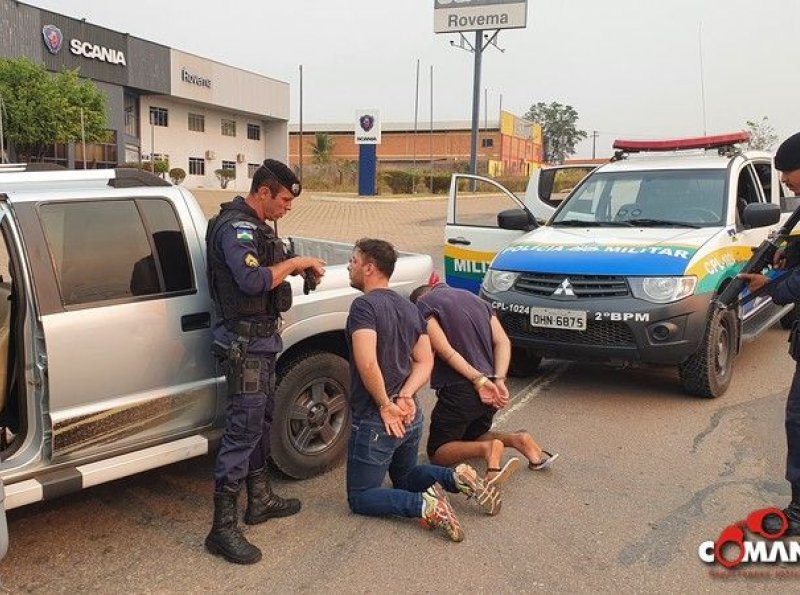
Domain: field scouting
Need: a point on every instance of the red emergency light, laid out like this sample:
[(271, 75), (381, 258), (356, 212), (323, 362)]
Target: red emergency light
[(677, 144)]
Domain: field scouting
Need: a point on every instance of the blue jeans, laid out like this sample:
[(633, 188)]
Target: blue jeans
[(372, 452)]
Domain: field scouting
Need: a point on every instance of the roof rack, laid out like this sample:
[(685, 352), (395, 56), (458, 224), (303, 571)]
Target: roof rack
[(724, 143)]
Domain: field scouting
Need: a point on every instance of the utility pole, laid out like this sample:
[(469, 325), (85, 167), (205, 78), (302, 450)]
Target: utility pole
[(300, 145), (431, 138), (414, 140), (83, 139), (2, 141), (595, 134)]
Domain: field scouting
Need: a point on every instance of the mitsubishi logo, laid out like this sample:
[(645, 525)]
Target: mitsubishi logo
[(564, 289)]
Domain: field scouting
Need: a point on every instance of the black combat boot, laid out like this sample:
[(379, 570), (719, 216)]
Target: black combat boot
[(262, 503), (792, 512), (225, 538)]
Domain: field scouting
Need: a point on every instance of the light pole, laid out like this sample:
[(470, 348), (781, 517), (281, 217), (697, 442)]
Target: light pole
[(300, 150)]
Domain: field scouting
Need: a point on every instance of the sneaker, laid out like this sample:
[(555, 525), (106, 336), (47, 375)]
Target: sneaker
[(438, 514), (485, 495)]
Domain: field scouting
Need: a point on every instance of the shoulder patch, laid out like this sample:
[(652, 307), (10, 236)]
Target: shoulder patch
[(251, 261), (245, 231)]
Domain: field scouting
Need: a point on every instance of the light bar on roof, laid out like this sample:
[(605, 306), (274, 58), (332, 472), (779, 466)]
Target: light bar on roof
[(676, 144)]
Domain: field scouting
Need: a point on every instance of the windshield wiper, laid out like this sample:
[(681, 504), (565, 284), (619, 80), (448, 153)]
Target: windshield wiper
[(581, 223), (659, 222)]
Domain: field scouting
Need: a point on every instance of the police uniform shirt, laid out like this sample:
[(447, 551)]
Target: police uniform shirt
[(236, 240)]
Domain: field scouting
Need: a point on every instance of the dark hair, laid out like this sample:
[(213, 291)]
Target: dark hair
[(380, 252), (418, 293), (275, 175)]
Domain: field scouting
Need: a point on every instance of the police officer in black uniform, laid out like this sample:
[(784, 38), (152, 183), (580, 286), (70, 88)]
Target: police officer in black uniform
[(247, 268), (786, 291)]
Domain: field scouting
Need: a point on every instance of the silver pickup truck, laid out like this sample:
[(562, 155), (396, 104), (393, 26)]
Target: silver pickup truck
[(105, 316)]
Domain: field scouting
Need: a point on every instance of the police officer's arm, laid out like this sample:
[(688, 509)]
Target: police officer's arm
[(785, 291), (365, 356), (295, 266)]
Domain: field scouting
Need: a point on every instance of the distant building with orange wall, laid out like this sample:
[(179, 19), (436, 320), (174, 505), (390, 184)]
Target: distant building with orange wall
[(510, 146)]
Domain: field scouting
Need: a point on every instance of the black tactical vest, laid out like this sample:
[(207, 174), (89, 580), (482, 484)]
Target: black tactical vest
[(230, 303)]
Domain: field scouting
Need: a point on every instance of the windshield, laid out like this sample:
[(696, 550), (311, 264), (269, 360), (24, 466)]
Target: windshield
[(655, 198)]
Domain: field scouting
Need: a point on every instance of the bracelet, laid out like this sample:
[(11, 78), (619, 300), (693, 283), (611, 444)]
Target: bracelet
[(493, 378), (389, 402), (479, 381)]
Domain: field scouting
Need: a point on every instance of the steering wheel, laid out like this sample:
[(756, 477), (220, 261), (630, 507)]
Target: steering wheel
[(700, 214)]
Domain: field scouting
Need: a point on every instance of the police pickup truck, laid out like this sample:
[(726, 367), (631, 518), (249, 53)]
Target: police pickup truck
[(627, 265), (105, 316)]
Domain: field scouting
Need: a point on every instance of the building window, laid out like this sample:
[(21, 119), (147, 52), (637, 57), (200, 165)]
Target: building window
[(197, 166), (253, 132), (251, 169), (122, 257), (228, 127), (487, 143), (229, 165), (159, 116), (197, 122), (131, 118)]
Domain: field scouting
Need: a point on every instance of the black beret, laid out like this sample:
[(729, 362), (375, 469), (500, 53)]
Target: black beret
[(284, 176), (787, 158)]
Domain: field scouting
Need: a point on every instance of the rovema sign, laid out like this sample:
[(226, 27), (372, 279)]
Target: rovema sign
[(452, 16)]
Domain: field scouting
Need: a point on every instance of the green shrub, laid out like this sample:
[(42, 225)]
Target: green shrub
[(177, 175)]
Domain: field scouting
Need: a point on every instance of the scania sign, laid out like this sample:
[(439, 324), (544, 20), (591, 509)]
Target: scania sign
[(452, 16), (53, 41)]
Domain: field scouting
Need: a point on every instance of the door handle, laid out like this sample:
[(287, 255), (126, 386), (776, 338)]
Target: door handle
[(195, 322), (459, 240)]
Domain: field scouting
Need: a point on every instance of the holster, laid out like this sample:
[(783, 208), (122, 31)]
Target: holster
[(243, 373), (794, 341)]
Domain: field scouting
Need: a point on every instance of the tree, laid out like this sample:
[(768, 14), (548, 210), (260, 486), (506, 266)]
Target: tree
[(558, 129), (224, 176), (43, 109), (177, 175), (322, 147), (762, 135)]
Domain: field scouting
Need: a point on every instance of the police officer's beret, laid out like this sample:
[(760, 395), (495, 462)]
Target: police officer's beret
[(787, 158), (285, 176)]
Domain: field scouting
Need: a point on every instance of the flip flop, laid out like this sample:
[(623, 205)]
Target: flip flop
[(503, 474), (546, 463)]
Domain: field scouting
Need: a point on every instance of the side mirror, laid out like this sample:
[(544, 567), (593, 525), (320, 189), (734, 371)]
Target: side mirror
[(761, 215), (518, 219)]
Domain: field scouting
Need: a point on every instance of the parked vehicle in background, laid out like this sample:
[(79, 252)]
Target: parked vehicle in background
[(626, 268), (105, 316)]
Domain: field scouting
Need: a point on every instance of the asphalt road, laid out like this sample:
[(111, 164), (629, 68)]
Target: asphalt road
[(646, 474)]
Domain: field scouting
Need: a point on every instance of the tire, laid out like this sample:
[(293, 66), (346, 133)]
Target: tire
[(707, 372), (523, 363), (311, 424), (788, 319)]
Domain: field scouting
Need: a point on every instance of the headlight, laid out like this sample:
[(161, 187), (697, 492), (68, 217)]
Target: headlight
[(662, 290), (495, 281)]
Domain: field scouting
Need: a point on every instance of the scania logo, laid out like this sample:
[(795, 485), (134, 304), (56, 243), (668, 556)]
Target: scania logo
[(366, 122), (564, 289), (53, 38)]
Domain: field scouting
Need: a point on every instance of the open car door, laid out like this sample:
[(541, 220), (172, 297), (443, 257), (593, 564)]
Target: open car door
[(549, 186), (482, 218)]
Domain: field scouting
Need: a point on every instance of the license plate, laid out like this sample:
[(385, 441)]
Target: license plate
[(555, 318)]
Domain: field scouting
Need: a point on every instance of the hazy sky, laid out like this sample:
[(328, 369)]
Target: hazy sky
[(631, 68)]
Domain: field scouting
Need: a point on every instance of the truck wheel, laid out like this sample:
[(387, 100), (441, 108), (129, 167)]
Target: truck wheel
[(707, 372), (311, 424), (788, 319), (524, 362)]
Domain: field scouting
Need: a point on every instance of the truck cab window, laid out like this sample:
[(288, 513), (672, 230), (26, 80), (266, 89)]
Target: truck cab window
[(113, 250)]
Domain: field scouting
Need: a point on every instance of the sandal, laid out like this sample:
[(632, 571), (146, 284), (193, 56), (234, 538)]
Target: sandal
[(501, 475), (545, 463)]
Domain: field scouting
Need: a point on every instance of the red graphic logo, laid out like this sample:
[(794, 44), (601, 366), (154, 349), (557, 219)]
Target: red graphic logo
[(732, 548)]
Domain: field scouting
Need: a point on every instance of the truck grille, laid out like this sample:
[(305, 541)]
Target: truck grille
[(583, 286), (598, 332)]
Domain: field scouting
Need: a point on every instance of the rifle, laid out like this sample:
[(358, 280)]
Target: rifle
[(761, 259)]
